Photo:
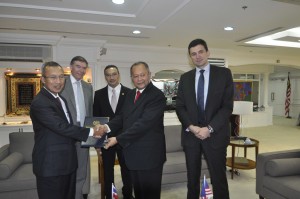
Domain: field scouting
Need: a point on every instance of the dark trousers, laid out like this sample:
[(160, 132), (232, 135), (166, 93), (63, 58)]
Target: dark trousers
[(216, 159), (58, 187), (108, 157), (147, 183)]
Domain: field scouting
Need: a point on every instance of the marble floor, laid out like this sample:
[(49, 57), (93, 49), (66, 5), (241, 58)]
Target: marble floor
[(283, 135)]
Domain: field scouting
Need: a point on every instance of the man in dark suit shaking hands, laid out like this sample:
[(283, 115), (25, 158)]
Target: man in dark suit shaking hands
[(108, 102), (204, 104), (54, 153), (142, 133)]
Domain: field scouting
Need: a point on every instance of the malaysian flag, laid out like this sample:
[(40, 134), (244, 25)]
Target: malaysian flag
[(288, 97), (206, 192), (114, 194)]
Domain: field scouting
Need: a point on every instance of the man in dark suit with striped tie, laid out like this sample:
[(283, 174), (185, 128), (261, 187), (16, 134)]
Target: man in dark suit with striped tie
[(54, 157)]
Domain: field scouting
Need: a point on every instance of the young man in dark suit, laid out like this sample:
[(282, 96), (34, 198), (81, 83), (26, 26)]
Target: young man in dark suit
[(108, 102), (54, 155), (204, 104), (142, 133)]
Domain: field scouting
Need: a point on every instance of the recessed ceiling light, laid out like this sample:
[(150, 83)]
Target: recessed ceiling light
[(228, 28), (136, 32), (118, 1)]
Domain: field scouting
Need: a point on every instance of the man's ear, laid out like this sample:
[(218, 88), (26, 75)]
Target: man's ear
[(43, 80)]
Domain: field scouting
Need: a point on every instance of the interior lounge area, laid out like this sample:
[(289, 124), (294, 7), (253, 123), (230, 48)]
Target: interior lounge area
[(261, 50)]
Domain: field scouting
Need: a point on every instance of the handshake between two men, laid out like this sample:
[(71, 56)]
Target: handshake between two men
[(101, 130)]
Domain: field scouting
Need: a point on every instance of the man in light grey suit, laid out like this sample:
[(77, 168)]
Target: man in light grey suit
[(74, 88)]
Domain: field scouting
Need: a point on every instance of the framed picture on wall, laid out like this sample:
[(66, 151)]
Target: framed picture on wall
[(243, 90)]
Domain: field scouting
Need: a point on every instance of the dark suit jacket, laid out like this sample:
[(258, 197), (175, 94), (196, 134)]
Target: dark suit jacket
[(142, 136), (54, 150), (102, 108), (219, 106)]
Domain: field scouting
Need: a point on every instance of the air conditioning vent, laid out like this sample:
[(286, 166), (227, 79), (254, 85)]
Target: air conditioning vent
[(217, 61), (25, 52)]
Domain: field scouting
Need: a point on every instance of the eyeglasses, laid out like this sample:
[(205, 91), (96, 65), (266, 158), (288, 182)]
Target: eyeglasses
[(111, 75), (53, 78)]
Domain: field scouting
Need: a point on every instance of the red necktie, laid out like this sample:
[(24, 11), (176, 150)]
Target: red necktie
[(138, 93)]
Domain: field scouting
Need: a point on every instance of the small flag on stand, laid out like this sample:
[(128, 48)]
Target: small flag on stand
[(288, 98), (206, 192), (114, 193)]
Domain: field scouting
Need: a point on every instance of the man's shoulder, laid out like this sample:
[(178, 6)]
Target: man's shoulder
[(125, 89), (101, 91)]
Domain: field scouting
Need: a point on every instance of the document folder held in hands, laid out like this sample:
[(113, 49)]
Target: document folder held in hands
[(90, 122)]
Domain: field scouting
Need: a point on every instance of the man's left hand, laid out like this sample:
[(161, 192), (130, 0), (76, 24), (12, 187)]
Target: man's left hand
[(111, 142)]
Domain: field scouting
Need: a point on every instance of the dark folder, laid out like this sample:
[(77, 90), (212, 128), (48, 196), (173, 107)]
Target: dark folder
[(90, 122)]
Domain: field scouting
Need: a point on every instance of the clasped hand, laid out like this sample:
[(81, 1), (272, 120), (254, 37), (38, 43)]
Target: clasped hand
[(200, 132), (99, 130)]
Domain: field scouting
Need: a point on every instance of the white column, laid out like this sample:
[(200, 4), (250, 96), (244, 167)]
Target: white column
[(266, 89)]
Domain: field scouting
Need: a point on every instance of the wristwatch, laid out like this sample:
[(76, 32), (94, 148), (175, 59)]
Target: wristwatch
[(211, 130)]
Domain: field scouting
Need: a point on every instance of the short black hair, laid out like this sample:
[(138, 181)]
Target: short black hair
[(196, 42), (50, 64), (79, 58), (111, 66)]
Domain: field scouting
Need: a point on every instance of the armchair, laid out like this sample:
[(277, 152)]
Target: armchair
[(278, 175)]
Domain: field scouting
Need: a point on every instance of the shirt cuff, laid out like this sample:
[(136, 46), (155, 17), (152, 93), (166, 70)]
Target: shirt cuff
[(91, 132)]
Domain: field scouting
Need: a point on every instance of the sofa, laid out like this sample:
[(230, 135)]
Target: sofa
[(16, 176), (174, 170), (278, 175)]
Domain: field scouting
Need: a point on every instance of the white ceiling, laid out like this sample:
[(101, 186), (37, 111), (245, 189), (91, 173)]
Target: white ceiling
[(165, 23)]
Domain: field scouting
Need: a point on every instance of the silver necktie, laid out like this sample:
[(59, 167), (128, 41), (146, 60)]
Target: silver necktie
[(114, 102), (81, 105)]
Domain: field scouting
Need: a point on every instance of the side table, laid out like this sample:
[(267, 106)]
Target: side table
[(237, 142)]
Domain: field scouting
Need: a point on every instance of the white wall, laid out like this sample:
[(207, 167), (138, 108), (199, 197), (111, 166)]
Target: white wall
[(125, 55)]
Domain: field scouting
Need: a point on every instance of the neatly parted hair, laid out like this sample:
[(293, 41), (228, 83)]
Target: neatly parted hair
[(196, 42), (79, 58)]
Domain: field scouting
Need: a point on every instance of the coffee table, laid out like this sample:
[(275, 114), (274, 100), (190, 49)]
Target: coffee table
[(236, 142)]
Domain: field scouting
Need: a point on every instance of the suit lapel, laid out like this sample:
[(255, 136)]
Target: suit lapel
[(51, 98), (212, 86), (85, 94), (70, 91), (191, 84), (121, 98)]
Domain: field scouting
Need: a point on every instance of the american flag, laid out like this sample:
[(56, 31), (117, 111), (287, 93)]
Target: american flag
[(288, 97), (206, 192), (114, 193)]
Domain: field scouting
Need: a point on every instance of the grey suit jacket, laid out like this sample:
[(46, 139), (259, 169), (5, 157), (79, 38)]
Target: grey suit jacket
[(68, 94), (219, 106)]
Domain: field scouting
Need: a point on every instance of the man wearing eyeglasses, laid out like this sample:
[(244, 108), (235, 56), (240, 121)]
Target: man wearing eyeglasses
[(108, 102), (54, 155), (79, 96)]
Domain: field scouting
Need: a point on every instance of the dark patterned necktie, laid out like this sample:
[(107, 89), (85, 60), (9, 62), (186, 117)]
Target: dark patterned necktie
[(200, 96), (138, 93)]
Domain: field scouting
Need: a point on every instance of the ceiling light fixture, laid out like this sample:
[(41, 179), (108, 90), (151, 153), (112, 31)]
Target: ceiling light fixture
[(136, 32), (118, 1), (228, 28), (277, 39)]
